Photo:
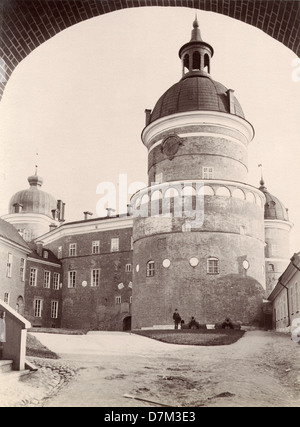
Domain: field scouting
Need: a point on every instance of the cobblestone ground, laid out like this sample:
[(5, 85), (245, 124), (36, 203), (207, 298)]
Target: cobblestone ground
[(35, 388)]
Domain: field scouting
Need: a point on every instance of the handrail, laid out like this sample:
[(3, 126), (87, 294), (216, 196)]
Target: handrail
[(16, 333)]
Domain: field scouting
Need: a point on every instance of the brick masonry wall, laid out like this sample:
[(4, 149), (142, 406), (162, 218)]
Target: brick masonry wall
[(45, 294), (13, 285), (96, 307), (233, 292), (227, 156), (27, 24)]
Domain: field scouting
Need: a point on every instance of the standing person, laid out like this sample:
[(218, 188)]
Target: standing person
[(176, 318), (2, 333)]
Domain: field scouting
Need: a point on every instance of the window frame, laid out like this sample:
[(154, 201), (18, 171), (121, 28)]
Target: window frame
[(37, 307), (95, 284), (115, 244), (95, 247), (72, 249), (150, 268), (9, 263), (33, 282), (56, 282), (54, 309), (22, 269), (207, 172), (213, 265), (47, 282), (72, 277)]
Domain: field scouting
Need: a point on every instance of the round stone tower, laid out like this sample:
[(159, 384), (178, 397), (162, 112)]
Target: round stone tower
[(33, 211), (198, 228), (277, 237)]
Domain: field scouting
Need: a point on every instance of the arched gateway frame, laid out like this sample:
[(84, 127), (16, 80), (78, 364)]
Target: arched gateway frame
[(25, 24)]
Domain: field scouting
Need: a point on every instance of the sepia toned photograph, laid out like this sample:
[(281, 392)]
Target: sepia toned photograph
[(149, 208)]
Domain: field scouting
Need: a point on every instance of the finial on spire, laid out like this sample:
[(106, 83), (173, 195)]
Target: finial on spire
[(196, 23), (36, 166), (262, 182), (196, 35)]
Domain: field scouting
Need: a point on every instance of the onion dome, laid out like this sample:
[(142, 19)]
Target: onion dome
[(196, 91), (33, 200), (274, 209)]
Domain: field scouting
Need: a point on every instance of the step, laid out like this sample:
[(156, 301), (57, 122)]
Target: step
[(5, 366)]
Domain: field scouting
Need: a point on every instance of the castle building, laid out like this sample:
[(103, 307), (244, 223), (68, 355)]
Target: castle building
[(33, 210), (198, 232), (198, 238)]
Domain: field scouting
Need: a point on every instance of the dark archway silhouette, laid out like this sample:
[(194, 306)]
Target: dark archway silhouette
[(26, 24)]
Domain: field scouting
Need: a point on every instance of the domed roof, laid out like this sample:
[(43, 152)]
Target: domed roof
[(196, 91), (274, 209), (33, 200)]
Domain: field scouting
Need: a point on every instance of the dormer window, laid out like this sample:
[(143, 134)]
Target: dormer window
[(45, 254)]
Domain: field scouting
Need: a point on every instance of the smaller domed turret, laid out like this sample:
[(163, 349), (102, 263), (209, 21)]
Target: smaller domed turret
[(33, 200)]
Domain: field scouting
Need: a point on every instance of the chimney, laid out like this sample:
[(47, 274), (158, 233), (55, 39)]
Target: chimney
[(54, 211), (87, 214), (129, 210), (39, 248), (148, 116), (110, 211), (230, 93), (52, 227)]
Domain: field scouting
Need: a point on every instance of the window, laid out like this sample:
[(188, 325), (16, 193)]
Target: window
[(22, 269), (150, 269), (59, 252), (271, 267), (296, 297), (207, 172), (56, 277), (6, 297), (196, 61), (54, 309), (118, 300), (71, 279), (33, 277), (292, 299), (47, 275), (96, 247), (95, 277), (213, 266), (72, 249), (128, 268), (114, 244), (38, 307), (45, 254), (9, 265)]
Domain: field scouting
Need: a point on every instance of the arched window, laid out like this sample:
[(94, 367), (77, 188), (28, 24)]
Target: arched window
[(213, 266), (186, 61), (150, 269), (196, 61), (206, 63)]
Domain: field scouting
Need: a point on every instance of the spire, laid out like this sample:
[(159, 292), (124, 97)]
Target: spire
[(196, 34), (261, 182)]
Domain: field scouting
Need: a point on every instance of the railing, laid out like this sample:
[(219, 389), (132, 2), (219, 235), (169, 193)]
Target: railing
[(16, 333)]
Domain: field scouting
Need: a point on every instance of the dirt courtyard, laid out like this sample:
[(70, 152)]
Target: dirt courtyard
[(262, 369)]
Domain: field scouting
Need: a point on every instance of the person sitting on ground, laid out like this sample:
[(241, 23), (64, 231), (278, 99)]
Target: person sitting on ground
[(227, 323), (193, 323)]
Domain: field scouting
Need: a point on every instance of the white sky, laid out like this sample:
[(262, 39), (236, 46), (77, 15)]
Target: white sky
[(79, 100)]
